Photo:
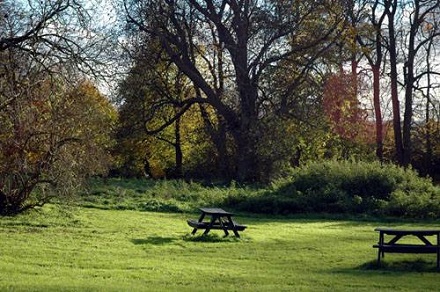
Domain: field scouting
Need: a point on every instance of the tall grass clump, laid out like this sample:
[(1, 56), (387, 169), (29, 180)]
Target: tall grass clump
[(161, 195), (351, 187)]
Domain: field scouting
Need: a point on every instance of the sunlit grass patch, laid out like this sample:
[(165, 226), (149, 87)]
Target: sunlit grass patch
[(122, 250)]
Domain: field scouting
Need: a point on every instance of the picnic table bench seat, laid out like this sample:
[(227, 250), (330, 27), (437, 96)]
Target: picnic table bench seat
[(203, 225), (407, 248)]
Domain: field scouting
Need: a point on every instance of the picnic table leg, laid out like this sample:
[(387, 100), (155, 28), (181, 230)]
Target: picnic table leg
[(211, 223), (438, 251), (225, 230), (438, 258), (234, 228), (200, 220), (380, 252)]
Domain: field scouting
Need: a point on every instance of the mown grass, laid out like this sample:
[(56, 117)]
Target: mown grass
[(89, 249)]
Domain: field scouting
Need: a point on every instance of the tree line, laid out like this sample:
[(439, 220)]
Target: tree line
[(278, 83), (240, 90)]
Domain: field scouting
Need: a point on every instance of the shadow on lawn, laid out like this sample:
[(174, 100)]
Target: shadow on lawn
[(159, 240), (155, 240), (210, 238), (406, 266)]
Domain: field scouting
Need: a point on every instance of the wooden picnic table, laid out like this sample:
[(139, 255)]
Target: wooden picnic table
[(392, 245), (219, 219)]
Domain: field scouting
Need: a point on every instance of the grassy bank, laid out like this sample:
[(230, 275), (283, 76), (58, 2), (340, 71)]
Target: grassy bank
[(88, 249)]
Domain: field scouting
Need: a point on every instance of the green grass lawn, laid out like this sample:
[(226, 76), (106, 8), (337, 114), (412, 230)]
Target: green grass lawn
[(86, 249)]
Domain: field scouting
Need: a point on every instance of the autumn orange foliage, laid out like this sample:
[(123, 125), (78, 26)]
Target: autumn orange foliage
[(342, 108)]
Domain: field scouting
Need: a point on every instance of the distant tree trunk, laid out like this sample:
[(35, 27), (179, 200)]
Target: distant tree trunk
[(428, 139), (147, 168), (409, 82), (3, 203), (178, 171), (375, 63), (354, 76), (378, 112), (375, 66), (414, 35), (391, 7)]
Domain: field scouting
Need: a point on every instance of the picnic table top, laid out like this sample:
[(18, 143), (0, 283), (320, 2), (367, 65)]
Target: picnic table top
[(408, 231), (215, 211)]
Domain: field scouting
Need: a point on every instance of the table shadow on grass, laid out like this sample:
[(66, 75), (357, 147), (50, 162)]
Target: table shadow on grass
[(404, 266), (210, 238), (154, 240), (163, 240)]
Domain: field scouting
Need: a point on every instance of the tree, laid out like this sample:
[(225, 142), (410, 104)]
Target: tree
[(424, 156), (252, 38), (341, 106), (47, 139), (405, 44), (369, 35), (422, 11), (56, 34), (150, 96), (52, 137)]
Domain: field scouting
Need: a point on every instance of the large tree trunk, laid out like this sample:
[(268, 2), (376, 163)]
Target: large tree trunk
[(219, 138), (246, 137), (247, 158)]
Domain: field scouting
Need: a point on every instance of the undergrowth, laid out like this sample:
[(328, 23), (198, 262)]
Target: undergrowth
[(351, 187), (327, 187)]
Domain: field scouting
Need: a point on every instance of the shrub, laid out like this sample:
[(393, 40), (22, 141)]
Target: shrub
[(327, 187), (351, 187)]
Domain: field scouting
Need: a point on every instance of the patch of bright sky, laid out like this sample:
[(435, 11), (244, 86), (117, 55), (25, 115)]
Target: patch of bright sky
[(103, 12)]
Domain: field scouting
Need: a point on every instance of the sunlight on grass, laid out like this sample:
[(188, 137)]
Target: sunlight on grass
[(108, 250)]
